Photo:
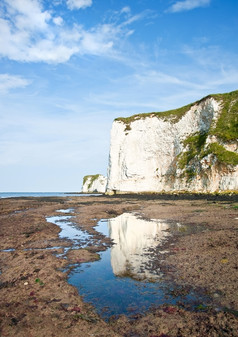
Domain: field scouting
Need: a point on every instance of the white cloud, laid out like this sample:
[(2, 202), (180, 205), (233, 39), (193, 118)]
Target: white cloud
[(28, 14), (99, 40), (217, 67), (78, 4), (58, 21), (31, 34), (8, 82), (126, 9), (158, 77), (187, 5)]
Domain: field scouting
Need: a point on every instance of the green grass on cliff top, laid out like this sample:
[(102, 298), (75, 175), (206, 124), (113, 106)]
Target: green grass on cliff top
[(92, 178), (175, 114), (226, 127)]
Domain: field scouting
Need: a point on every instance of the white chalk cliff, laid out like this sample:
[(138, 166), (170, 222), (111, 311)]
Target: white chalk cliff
[(193, 149), (94, 184)]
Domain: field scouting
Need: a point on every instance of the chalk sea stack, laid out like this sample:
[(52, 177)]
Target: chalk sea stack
[(94, 184)]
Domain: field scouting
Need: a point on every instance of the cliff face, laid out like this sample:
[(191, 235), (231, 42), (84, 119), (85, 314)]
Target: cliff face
[(94, 184), (192, 149)]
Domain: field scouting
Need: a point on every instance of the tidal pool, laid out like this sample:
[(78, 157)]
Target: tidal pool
[(69, 230), (122, 282)]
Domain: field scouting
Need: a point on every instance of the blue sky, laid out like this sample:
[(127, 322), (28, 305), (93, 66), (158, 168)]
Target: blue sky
[(69, 67)]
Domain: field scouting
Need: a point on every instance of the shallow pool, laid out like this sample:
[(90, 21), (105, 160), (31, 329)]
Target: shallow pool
[(122, 282)]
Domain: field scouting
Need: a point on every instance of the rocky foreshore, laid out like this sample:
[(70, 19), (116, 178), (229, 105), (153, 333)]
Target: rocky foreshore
[(35, 294)]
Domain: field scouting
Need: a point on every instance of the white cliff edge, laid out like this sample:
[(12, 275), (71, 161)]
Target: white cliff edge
[(94, 184), (151, 153)]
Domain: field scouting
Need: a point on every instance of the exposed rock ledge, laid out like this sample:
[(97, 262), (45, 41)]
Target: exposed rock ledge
[(192, 149), (94, 184)]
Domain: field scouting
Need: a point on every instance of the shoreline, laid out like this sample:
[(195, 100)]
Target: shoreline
[(27, 306)]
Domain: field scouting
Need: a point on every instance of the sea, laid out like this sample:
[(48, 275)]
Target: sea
[(38, 194)]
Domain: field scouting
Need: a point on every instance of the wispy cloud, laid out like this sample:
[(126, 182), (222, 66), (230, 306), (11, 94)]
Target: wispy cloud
[(8, 82), (78, 4), (31, 34), (217, 67), (187, 5)]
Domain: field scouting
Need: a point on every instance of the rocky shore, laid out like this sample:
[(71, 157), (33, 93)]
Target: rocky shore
[(36, 299)]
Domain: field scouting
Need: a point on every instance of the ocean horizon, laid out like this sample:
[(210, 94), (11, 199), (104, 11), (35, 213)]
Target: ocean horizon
[(38, 194)]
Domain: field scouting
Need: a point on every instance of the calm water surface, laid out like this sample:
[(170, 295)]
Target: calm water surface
[(69, 230), (122, 282)]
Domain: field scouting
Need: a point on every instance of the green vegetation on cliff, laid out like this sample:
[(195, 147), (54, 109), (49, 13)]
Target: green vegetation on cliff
[(173, 115), (196, 150), (227, 125), (225, 129), (92, 179), (195, 144), (223, 156)]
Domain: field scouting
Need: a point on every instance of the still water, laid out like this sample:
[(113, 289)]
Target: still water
[(69, 230), (122, 281)]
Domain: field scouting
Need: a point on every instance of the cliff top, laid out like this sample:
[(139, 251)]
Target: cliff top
[(226, 127), (92, 178)]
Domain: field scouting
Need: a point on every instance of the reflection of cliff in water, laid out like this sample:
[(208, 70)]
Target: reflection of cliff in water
[(104, 283), (133, 237)]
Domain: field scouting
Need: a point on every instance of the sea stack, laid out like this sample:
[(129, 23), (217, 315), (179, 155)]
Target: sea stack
[(94, 184)]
